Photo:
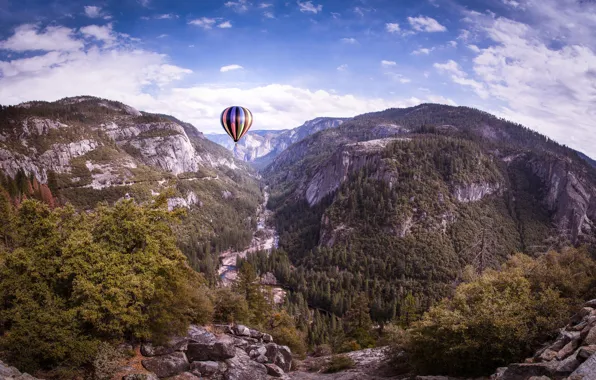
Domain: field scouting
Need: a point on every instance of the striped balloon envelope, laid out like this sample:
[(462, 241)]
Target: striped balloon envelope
[(236, 121)]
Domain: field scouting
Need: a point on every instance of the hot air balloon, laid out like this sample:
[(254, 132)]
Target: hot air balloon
[(236, 121)]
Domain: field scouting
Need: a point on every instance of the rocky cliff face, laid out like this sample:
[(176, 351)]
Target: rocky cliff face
[(262, 147), (568, 195)]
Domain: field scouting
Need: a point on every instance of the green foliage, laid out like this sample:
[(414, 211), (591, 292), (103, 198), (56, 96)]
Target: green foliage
[(74, 280), (500, 317), (339, 363), (229, 307)]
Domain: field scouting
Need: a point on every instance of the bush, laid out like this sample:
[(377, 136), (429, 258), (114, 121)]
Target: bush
[(74, 280), (500, 317), (339, 363), (322, 350)]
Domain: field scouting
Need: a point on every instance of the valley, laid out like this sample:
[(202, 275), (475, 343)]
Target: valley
[(356, 226)]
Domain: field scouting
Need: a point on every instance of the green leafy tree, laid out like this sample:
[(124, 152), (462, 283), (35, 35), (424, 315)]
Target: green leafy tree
[(75, 279)]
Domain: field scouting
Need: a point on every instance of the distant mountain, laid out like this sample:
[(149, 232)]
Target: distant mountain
[(403, 200), (87, 150), (262, 146)]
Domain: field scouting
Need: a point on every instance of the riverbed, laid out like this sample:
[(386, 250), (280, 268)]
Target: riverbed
[(264, 239)]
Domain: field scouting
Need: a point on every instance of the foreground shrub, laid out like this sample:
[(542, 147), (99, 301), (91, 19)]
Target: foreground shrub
[(73, 280), (339, 363), (500, 317)]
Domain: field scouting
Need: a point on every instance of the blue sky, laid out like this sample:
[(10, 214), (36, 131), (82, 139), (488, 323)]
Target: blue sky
[(531, 61)]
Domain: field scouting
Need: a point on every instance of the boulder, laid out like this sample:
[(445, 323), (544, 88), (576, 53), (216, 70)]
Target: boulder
[(591, 337), (587, 369), (241, 330), (547, 355), (6, 371), (523, 371), (208, 368), (591, 303), (255, 334), (273, 370), (198, 334), (279, 355), (240, 367), (267, 338), (175, 344), (567, 366), (220, 349), (167, 365), (585, 352), (567, 350), (185, 376), (140, 376), (256, 350)]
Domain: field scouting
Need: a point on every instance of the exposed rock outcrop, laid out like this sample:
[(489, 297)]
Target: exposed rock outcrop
[(570, 356), (226, 353), (11, 373)]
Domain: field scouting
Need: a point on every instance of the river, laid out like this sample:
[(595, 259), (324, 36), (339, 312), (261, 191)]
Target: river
[(264, 239)]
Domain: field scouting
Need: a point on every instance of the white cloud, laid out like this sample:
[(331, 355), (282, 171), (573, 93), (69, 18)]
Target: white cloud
[(162, 36), (460, 77), (392, 27), (388, 63), (426, 24), (204, 22), (29, 37), (343, 67), (511, 3), (166, 16), (100, 33), (349, 40), (308, 6), (225, 69), (422, 51), (544, 73), (268, 15), (239, 6), (464, 35), (92, 11), (265, 5), (453, 43), (441, 100), (225, 25), (144, 3), (474, 48)]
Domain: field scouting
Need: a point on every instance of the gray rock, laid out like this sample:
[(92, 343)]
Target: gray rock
[(198, 334), (238, 342), (539, 378), (141, 376), (547, 355), (208, 368), (567, 366), (587, 369), (167, 365), (261, 359), (585, 352), (241, 330), (184, 376), (267, 338), (256, 350), (279, 355), (273, 370), (240, 367), (255, 334), (175, 344), (585, 311), (220, 349), (591, 303), (590, 339), (567, 350), (523, 371), (7, 371)]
